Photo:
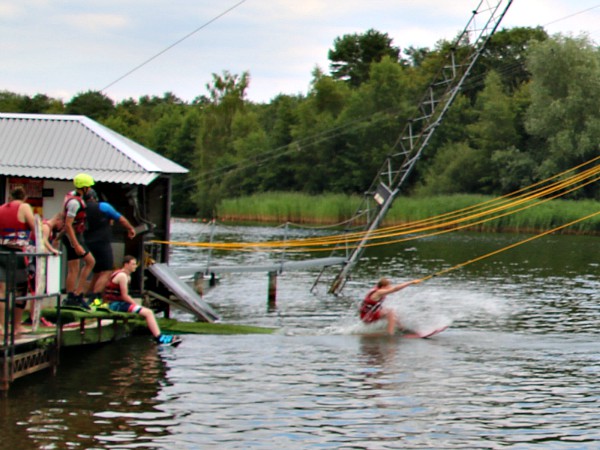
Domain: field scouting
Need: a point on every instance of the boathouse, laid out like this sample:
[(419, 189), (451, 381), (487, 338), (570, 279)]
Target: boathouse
[(44, 152)]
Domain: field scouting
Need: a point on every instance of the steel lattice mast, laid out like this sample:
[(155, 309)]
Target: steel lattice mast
[(418, 131)]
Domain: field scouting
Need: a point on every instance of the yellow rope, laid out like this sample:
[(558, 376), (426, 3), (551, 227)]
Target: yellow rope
[(475, 218), (508, 247), (464, 218)]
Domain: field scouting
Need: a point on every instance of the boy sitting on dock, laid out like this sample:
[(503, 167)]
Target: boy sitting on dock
[(116, 294)]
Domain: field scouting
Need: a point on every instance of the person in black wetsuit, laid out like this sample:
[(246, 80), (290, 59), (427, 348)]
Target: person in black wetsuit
[(98, 237)]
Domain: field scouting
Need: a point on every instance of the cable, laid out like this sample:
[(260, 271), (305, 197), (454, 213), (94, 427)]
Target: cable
[(571, 15), (152, 58), (508, 247), (464, 218), (471, 83)]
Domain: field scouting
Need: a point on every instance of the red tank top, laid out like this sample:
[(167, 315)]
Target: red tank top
[(12, 232)]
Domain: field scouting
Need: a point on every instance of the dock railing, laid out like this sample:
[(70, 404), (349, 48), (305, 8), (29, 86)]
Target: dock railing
[(28, 352)]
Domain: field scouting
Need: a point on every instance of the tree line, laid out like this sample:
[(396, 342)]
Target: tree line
[(529, 110)]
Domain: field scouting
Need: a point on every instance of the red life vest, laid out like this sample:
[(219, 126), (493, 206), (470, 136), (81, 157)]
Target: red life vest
[(369, 305), (79, 219), (12, 232), (112, 291)]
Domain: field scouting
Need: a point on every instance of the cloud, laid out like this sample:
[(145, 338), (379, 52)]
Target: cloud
[(9, 11), (95, 22), (51, 46)]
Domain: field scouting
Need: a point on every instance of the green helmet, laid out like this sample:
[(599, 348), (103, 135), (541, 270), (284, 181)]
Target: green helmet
[(82, 180)]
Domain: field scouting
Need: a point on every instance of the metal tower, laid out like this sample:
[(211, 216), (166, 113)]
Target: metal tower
[(418, 131)]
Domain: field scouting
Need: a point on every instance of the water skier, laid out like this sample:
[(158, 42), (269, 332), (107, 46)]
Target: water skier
[(372, 308)]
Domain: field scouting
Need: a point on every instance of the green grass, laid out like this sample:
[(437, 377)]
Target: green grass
[(138, 324), (332, 209), (174, 326), (281, 207)]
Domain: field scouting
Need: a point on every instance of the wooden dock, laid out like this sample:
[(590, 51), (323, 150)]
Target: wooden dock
[(37, 348)]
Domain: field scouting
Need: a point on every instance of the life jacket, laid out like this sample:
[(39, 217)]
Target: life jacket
[(79, 219), (13, 233), (112, 291), (99, 227), (369, 305)]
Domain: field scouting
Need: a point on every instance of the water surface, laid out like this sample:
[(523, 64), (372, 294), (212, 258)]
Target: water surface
[(518, 367)]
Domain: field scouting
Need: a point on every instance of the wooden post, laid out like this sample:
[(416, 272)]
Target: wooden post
[(272, 295)]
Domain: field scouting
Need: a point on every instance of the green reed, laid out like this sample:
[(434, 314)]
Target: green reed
[(330, 209)]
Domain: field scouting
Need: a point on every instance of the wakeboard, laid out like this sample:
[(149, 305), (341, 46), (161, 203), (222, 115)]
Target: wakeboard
[(174, 343), (422, 334), (408, 334), (40, 273)]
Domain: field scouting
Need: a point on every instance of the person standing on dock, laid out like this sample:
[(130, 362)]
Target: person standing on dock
[(98, 237), (116, 294), (16, 225), (50, 229), (75, 220), (372, 308)]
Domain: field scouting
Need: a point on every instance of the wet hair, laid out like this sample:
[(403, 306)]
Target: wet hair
[(128, 258), (18, 193), (383, 283)]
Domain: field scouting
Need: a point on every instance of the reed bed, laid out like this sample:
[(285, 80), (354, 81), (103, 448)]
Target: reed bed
[(332, 209)]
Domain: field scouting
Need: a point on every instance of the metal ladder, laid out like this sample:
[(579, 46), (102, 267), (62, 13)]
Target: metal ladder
[(417, 132)]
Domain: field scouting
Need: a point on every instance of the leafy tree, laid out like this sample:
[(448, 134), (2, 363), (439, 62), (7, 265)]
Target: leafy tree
[(493, 130), (250, 144), (38, 104), (495, 127), (416, 55), (42, 104), (328, 94), (372, 121), (279, 120), (180, 131), (214, 145), (10, 102), (506, 53), (353, 54), (93, 104), (565, 102), (456, 169)]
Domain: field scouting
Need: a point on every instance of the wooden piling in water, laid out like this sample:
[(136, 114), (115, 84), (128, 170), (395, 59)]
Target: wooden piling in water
[(272, 294)]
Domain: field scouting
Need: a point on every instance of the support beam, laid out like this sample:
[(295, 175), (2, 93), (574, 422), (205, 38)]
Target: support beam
[(272, 294), (418, 131)]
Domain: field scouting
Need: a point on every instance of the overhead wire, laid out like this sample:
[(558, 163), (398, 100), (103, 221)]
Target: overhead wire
[(468, 217), (412, 228), (508, 247), (166, 49), (523, 241), (471, 83), (325, 244), (578, 182)]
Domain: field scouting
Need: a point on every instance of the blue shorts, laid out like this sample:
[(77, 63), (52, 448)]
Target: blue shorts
[(124, 307)]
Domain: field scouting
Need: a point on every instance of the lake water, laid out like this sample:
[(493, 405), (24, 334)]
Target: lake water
[(518, 368)]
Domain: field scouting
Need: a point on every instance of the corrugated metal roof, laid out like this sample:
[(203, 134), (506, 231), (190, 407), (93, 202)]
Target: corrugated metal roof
[(60, 147)]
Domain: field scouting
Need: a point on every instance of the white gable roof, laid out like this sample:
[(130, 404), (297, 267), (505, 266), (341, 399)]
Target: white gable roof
[(61, 146)]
